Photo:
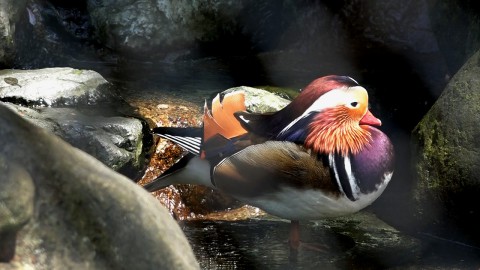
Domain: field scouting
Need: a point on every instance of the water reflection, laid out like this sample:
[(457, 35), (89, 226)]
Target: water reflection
[(358, 242), (262, 244)]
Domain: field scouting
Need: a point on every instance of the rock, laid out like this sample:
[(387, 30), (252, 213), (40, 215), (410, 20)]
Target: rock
[(162, 106), (9, 14), (398, 25), (146, 27), (86, 215), (376, 242), (16, 205), (53, 87), (93, 125), (447, 159), (58, 34), (116, 141), (259, 100)]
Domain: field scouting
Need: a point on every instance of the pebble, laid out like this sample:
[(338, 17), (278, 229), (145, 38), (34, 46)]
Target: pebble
[(162, 106)]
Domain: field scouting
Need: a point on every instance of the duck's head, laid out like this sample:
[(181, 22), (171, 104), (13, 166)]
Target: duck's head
[(337, 118)]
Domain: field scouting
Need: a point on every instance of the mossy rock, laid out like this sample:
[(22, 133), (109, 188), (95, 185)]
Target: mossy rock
[(447, 158)]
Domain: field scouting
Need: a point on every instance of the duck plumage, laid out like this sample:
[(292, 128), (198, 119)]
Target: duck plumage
[(320, 156)]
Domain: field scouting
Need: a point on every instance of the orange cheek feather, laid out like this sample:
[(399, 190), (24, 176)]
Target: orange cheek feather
[(334, 131)]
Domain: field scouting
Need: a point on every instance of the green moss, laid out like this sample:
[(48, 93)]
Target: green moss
[(447, 154)]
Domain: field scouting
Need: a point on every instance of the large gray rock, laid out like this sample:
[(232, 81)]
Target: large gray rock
[(97, 129), (116, 141), (86, 216), (53, 86), (447, 159)]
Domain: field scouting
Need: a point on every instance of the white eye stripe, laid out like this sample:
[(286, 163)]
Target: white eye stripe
[(332, 98), (329, 99), (335, 97)]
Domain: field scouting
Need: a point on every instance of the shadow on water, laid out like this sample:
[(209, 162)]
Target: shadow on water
[(260, 244)]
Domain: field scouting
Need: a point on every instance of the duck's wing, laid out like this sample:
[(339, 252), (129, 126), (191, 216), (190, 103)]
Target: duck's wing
[(266, 168)]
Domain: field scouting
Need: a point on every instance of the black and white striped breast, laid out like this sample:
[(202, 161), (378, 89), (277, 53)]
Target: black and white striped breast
[(366, 171)]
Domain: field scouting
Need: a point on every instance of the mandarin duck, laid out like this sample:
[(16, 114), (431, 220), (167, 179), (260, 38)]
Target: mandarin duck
[(320, 156)]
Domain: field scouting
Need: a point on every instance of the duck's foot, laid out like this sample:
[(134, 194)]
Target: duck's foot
[(296, 244)]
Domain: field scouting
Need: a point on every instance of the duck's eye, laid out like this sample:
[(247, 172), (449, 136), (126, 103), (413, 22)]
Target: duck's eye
[(354, 104)]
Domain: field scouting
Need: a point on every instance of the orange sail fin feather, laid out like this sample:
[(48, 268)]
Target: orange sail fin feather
[(221, 119)]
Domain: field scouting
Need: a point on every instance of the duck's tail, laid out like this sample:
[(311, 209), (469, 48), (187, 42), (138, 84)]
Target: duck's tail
[(219, 126)]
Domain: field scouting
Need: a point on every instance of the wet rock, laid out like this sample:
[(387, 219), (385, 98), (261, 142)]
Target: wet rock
[(9, 14), (53, 87), (376, 243), (16, 205), (86, 215), (94, 125), (447, 160), (116, 141)]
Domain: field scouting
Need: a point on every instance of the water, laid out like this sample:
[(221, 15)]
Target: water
[(262, 244)]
